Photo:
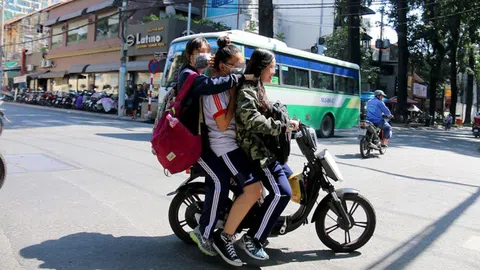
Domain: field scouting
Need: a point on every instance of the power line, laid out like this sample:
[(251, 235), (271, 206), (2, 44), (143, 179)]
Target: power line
[(145, 8)]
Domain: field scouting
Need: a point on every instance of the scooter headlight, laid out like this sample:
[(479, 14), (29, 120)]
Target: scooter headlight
[(330, 166)]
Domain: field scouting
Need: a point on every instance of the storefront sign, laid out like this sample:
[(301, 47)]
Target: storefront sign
[(147, 41), (20, 79), (155, 37), (419, 90)]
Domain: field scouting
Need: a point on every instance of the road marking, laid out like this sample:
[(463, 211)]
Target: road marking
[(473, 243)]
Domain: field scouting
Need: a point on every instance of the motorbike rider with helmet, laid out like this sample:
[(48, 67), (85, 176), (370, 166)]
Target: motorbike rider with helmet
[(376, 109)]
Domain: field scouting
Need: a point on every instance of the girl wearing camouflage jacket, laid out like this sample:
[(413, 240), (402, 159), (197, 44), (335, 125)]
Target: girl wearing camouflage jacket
[(253, 123)]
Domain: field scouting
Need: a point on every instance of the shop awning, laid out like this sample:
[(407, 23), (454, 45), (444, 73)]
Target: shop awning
[(103, 67), (11, 73), (77, 69), (102, 5), (53, 74), (72, 15), (51, 21), (35, 75), (142, 65)]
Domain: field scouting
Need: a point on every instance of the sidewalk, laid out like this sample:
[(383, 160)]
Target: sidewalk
[(418, 126), (91, 114)]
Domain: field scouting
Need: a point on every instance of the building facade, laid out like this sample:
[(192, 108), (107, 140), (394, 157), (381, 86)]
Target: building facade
[(16, 8), (299, 27), (26, 40), (84, 46)]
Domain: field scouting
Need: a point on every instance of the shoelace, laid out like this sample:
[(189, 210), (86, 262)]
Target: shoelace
[(229, 246), (250, 245)]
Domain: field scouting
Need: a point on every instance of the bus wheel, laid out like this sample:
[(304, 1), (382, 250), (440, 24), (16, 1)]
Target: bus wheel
[(327, 128)]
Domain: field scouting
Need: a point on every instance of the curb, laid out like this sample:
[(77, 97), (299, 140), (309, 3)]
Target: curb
[(70, 111)]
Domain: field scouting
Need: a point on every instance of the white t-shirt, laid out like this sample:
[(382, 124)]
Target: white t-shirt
[(221, 142)]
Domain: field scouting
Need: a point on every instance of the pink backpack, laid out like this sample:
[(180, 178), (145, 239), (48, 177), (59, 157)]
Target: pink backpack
[(174, 144)]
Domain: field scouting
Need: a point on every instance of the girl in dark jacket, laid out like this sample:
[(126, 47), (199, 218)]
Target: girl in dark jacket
[(197, 57)]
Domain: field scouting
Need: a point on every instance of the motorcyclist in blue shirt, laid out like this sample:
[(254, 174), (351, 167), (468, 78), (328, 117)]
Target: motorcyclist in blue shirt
[(376, 109)]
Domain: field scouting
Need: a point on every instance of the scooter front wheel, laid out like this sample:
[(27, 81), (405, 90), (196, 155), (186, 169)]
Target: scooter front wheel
[(339, 238)]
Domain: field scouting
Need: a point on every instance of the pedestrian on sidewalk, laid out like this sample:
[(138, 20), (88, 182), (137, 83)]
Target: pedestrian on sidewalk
[(138, 96)]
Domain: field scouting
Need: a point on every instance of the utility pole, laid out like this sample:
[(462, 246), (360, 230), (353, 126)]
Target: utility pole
[(265, 18), (123, 59), (321, 20), (403, 56), (354, 52), (189, 22), (380, 52)]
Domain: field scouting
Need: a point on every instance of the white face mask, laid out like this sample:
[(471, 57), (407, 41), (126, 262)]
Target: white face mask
[(200, 61)]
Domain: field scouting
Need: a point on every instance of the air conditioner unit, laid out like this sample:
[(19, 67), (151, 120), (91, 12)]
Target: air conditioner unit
[(29, 67)]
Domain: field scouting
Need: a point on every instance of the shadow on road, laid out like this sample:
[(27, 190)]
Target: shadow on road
[(283, 256), (409, 250), (104, 251), (410, 177), (139, 137)]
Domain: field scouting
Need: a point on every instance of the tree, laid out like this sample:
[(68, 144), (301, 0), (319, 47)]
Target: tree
[(354, 31), (403, 55), (453, 42), (337, 44), (472, 53)]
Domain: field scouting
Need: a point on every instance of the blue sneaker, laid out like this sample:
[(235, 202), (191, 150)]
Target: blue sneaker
[(253, 248)]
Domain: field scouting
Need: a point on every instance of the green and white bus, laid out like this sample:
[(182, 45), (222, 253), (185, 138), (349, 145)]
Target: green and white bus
[(322, 92)]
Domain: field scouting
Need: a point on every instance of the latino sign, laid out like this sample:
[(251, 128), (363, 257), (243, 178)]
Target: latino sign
[(154, 37), (147, 41)]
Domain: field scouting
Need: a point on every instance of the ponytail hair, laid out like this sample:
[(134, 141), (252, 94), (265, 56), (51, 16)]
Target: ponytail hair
[(225, 51)]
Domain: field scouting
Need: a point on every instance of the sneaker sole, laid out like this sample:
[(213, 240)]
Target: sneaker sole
[(244, 247), (204, 251), (233, 263)]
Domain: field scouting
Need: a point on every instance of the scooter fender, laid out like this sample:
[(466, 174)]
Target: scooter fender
[(187, 185), (324, 202)]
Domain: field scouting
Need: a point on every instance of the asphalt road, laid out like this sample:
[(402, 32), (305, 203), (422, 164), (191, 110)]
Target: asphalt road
[(84, 192)]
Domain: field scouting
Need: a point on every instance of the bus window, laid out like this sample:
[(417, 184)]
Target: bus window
[(322, 81), (276, 77), (352, 86), (294, 76), (346, 85)]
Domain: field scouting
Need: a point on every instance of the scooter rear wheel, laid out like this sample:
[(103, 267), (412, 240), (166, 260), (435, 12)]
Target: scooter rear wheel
[(366, 221), (182, 210), (364, 149), (3, 170)]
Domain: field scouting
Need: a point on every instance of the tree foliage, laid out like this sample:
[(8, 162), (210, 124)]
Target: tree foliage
[(442, 40), (336, 45)]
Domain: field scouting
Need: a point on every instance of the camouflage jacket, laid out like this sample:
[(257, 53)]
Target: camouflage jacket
[(252, 124)]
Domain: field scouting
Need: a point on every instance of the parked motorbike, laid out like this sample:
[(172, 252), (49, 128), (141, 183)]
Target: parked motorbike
[(3, 164), (370, 137), (476, 130), (476, 125), (334, 219)]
